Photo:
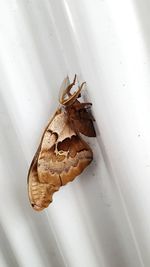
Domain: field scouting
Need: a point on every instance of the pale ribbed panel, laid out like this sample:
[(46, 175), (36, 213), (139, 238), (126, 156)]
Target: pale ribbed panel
[(102, 219)]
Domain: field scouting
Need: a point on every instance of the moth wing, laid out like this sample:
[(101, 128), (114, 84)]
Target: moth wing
[(84, 121), (85, 127), (40, 194), (61, 156), (79, 156), (64, 161)]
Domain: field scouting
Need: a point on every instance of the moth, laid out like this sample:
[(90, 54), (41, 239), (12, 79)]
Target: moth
[(62, 153)]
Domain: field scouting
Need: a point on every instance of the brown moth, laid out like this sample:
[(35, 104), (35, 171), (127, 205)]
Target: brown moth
[(62, 154)]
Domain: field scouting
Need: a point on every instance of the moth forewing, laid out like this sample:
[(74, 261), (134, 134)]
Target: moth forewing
[(62, 154), (38, 193)]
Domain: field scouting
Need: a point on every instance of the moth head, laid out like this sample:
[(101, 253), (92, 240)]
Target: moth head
[(66, 98)]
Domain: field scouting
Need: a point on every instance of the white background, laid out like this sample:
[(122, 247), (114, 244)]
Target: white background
[(102, 219)]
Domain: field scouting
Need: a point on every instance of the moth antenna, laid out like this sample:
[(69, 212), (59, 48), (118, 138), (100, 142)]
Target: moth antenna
[(72, 97), (67, 91)]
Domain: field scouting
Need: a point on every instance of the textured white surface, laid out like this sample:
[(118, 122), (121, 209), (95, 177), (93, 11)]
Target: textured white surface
[(103, 217)]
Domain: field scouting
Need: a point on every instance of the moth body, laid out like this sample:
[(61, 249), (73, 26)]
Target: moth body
[(62, 154)]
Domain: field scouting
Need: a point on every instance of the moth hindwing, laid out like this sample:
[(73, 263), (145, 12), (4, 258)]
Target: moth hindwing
[(62, 154)]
